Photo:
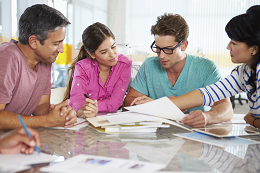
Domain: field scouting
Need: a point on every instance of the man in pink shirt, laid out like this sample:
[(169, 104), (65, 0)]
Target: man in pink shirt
[(25, 69)]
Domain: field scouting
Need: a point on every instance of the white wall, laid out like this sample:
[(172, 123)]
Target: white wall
[(6, 18), (87, 12), (206, 19)]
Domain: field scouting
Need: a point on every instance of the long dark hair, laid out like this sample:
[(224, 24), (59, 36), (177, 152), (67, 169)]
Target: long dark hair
[(246, 28), (92, 38)]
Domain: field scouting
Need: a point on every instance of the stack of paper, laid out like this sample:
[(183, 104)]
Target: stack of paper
[(162, 110), (142, 137), (135, 127)]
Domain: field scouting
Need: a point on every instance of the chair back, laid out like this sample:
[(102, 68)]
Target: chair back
[(57, 95)]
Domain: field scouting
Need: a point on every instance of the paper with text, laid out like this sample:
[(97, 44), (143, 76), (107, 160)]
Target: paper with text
[(162, 107), (97, 164)]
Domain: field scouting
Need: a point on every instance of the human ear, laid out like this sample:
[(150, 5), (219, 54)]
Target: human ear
[(33, 41), (91, 55), (255, 50), (184, 45)]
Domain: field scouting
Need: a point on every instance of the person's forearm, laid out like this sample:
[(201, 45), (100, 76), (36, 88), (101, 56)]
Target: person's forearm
[(221, 111), (189, 100), (128, 100), (252, 120), (42, 109), (9, 120), (256, 123)]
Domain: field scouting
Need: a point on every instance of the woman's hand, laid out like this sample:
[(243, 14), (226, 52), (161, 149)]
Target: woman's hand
[(90, 108)]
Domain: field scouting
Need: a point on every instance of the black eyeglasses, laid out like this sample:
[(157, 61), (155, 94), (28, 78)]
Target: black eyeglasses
[(156, 49)]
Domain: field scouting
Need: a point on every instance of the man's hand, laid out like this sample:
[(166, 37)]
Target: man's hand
[(67, 119), (196, 119), (71, 117), (51, 107), (141, 100), (17, 141), (70, 114)]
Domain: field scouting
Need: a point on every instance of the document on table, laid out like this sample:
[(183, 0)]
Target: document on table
[(237, 119), (131, 117), (221, 142), (78, 125), (162, 107), (231, 130), (97, 164), (128, 117), (161, 153), (19, 162)]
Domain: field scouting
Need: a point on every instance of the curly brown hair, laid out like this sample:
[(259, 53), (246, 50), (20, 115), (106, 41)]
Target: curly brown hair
[(171, 24)]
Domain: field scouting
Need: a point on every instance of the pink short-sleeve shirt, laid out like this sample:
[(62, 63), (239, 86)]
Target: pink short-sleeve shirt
[(21, 87)]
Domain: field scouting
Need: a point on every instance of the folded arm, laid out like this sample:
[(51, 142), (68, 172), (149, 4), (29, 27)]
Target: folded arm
[(9, 120)]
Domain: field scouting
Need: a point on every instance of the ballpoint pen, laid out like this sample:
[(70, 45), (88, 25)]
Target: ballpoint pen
[(26, 130), (88, 98)]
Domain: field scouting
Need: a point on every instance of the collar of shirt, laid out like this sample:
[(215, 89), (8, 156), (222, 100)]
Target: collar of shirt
[(94, 63)]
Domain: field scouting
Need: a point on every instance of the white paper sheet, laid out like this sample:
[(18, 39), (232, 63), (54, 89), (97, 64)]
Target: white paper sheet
[(162, 107), (129, 117), (221, 142), (12, 168), (18, 162), (97, 164), (157, 153), (99, 121), (78, 125), (237, 119)]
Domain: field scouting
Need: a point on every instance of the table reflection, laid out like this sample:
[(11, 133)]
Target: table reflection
[(178, 153), (88, 142)]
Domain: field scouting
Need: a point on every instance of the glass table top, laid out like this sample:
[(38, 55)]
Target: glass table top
[(179, 154)]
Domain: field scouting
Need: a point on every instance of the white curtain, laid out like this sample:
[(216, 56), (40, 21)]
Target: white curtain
[(206, 19)]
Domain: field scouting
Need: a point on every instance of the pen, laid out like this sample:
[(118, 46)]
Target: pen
[(88, 98), (25, 128)]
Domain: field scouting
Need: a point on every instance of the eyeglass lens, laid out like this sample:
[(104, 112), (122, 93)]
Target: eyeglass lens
[(165, 50)]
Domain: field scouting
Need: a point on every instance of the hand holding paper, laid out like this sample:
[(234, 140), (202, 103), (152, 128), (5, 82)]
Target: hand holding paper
[(162, 107)]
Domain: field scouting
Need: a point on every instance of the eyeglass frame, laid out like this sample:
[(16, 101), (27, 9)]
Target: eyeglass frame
[(162, 49)]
